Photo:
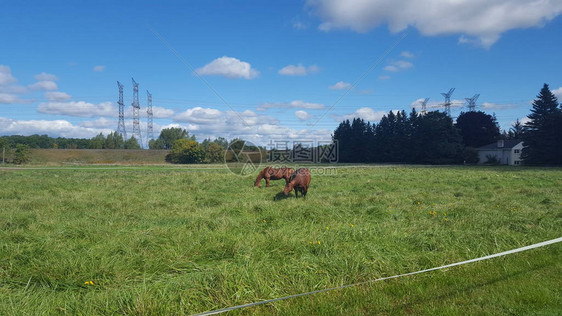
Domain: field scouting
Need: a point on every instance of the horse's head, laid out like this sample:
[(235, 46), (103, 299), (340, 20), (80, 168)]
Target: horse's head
[(288, 188)]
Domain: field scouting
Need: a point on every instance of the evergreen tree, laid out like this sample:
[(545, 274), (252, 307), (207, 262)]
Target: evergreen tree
[(516, 131), (114, 141), (170, 135), (541, 139), (221, 141), (342, 135), (156, 143), (359, 146), (390, 137), (436, 140), (97, 142), (132, 143)]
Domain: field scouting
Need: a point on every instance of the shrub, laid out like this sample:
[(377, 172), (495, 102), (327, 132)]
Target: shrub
[(492, 160), (186, 151)]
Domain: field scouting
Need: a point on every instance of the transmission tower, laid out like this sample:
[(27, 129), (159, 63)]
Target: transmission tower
[(149, 132), (472, 102), (121, 125), (447, 103), (424, 106), (136, 108)]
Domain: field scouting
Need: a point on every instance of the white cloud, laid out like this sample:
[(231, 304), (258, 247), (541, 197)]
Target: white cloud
[(208, 116), (199, 115), (558, 93), (407, 54), (45, 77), (340, 85), (79, 109), (99, 68), (102, 122), (384, 77), (300, 26), (525, 120), (495, 106), (44, 85), (8, 98), (303, 115), (14, 89), (57, 96), (160, 112), (9, 93), (157, 112), (299, 104), (6, 75), (228, 67), (298, 70), (398, 65), (437, 105), (208, 122), (366, 113), (54, 128), (391, 68), (485, 20)]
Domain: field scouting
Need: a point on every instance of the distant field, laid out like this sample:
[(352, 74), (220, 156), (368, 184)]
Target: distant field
[(96, 156), (156, 240)]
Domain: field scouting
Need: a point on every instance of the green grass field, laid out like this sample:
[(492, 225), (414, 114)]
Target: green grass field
[(154, 240)]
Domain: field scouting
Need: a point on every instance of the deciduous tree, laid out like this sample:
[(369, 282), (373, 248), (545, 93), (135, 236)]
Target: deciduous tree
[(186, 151), (477, 128)]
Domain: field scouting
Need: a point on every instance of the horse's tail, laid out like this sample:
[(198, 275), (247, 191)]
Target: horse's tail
[(258, 179)]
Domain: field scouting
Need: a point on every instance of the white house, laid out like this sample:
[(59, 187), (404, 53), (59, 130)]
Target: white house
[(507, 152)]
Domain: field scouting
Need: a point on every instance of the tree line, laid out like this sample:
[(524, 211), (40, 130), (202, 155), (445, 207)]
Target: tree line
[(434, 138), (419, 138)]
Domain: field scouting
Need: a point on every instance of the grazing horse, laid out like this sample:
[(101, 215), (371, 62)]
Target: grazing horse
[(299, 181), (270, 173)]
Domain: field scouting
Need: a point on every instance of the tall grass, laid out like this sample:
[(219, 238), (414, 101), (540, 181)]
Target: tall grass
[(179, 241), (96, 156)]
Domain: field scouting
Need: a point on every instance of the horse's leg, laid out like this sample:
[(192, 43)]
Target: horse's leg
[(296, 192), (267, 181)]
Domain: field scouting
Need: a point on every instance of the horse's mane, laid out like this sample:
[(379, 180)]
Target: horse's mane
[(294, 174)]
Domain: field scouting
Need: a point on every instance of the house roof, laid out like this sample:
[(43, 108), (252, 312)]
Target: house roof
[(507, 144)]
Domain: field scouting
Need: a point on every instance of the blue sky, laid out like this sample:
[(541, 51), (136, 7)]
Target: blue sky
[(268, 70)]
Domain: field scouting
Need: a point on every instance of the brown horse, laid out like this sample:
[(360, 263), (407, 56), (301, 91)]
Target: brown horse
[(270, 173), (299, 181)]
